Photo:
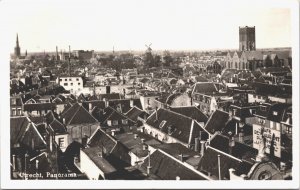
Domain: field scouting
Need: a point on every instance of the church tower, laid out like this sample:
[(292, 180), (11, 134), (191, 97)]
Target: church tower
[(17, 48), (247, 38)]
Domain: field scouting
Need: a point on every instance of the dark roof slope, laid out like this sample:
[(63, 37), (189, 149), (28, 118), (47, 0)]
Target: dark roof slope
[(77, 115), (135, 112), (18, 126), (204, 87), (192, 112), (166, 167), (217, 121)]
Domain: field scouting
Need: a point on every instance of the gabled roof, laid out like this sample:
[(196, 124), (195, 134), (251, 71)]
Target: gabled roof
[(39, 106), (182, 128), (175, 149), (192, 112), (18, 125), (204, 87), (58, 127), (100, 162), (166, 167), (209, 163), (112, 96), (135, 112), (217, 121), (125, 104), (77, 114), (277, 112), (240, 150), (102, 139)]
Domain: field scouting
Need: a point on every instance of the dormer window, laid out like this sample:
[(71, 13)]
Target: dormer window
[(109, 122), (161, 125), (263, 108), (275, 113), (234, 111), (115, 122)]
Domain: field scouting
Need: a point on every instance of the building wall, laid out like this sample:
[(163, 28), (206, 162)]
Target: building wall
[(88, 167), (73, 84), (252, 98), (63, 145), (247, 39)]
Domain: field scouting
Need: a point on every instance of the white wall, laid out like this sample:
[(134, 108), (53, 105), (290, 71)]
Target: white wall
[(89, 168)]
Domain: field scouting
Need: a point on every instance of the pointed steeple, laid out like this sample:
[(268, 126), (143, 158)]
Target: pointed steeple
[(17, 42), (17, 48)]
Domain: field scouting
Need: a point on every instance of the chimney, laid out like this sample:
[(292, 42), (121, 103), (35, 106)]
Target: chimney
[(14, 162), (135, 136), (64, 121), (219, 166), (236, 129), (131, 103), (113, 133), (149, 164), (241, 135), (51, 143), (37, 166), (231, 144), (90, 107), (145, 147), (181, 157), (196, 144), (26, 163), (202, 148), (106, 102)]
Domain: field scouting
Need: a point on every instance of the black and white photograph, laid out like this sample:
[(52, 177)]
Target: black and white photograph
[(149, 94)]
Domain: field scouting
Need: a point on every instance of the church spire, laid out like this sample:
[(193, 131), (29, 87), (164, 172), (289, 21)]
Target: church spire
[(17, 48), (17, 43)]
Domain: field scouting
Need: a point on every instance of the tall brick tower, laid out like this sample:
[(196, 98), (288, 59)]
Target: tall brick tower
[(247, 38), (17, 48)]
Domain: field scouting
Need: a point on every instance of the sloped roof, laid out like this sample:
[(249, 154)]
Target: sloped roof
[(175, 149), (100, 162), (279, 109), (112, 96), (204, 87), (18, 125), (209, 163), (192, 112), (217, 121), (135, 112), (102, 139), (58, 127), (182, 128), (166, 167), (125, 104), (240, 150), (77, 115), (39, 106)]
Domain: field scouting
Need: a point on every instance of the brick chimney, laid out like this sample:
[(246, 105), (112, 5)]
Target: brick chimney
[(196, 145)]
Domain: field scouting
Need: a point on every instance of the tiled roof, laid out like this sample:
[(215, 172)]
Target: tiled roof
[(192, 112), (77, 115), (100, 162), (166, 167), (209, 163), (58, 127), (175, 149), (204, 87), (182, 128), (39, 106), (240, 150), (135, 112), (18, 125), (135, 145), (217, 121), (102, 139), (125, 104), (99, 103), (112, 96), (277, 111)]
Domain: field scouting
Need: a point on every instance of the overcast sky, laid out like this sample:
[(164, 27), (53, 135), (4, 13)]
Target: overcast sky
[(130, 24)]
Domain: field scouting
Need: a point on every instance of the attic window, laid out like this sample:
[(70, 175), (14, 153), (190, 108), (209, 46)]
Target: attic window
[(161, 125), (124, 121), (263, 108), (275, 113)]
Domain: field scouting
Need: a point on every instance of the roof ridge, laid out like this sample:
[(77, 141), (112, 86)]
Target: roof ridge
[(183, 163), (74, 114), (224, 153), (176, 113)]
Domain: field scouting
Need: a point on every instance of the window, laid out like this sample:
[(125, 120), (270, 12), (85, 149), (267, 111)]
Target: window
[(275, 113), (71, 84), (115, 122), (109, 122), (259, 97), (124, 121), (60, 79), (278, 126), (13, 101), (14, 111), (19, 111), (272, 124), (254, 96), (66, 79), (65, 84), (77, 79), (162, 124), (61, 142), (79, 83), (263, 108), (70, 79)]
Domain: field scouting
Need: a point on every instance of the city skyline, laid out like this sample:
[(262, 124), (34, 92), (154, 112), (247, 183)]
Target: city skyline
[(132, 24)]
